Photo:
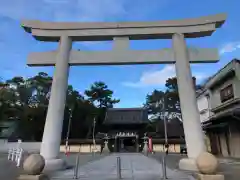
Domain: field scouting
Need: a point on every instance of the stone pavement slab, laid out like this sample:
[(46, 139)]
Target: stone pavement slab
[(133, 165), (230, 167), (9, 171)]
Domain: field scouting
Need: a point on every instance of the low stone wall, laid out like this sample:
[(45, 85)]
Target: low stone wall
[(35, 147), (82, 148), (173, 148)]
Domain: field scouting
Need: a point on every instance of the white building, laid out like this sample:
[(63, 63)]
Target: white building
[(219, 108), (203, 102)]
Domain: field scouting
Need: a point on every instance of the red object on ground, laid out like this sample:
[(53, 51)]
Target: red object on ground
[(67, 153), (67, 149), (150, 148)]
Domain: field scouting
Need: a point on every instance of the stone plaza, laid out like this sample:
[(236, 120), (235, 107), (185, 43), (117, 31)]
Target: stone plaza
[(133, 166), (229, 167)]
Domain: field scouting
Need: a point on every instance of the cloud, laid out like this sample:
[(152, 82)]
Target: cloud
[(230, 47), (152, 78), (158, 78), (21, 43)]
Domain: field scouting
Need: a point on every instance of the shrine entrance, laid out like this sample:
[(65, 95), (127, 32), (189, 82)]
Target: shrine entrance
[(126, 142)]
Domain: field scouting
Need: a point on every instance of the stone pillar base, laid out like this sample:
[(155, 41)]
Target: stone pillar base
[(54, 165), (33, 177), (188, 164), (210, 177), (105, 150), (145, 149)]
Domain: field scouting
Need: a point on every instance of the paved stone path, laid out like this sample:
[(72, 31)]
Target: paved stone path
[(230, 167), (8, 171), (134, 166)]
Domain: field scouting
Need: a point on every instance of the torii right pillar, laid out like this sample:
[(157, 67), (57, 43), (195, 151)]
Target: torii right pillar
[(190, 114)]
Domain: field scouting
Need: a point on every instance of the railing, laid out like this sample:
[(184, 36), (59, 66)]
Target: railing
[(75, 171), (164, 169), (15, 154), (76, 168), (119, 168)]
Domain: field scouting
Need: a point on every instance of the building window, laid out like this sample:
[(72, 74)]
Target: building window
[(208, 101), (226, 93)]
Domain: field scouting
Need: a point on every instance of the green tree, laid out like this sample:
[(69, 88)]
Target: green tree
[(7, 100), (41, 85), (101, 95), (77, 110), (26, 101), (160, 103)]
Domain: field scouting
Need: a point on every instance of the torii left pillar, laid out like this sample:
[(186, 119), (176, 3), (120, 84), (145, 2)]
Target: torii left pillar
[(54, 120)]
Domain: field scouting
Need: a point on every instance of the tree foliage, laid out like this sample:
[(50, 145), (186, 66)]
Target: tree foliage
[(166, 103), (25, 101), (101, 95)]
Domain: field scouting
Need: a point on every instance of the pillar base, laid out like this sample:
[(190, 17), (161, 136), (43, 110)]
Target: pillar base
[(54, 165), (105, 150), (210, 177), (188, 164), (33, 177)]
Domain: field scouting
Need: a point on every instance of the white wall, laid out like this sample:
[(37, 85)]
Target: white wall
[(203, 107)]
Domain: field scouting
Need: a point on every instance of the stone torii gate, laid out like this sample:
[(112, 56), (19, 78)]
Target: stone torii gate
[(121, 33)]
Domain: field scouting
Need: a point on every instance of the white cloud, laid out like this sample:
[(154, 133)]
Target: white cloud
[(230, 47), (159, 77)]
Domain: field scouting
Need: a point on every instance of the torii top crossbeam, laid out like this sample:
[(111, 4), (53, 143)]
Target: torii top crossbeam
[(191, 28)]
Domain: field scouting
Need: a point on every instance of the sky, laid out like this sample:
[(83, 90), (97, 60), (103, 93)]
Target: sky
[(130, 83)]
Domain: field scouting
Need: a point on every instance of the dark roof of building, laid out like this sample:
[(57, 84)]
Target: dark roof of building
[(231, 62), (230, 111), (213, 79), (174, 128), (223, 118), (126, 116), (201, 92)]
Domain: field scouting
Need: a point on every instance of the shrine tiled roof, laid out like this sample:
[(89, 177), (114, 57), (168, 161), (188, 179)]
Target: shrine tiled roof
[(126, 116)]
